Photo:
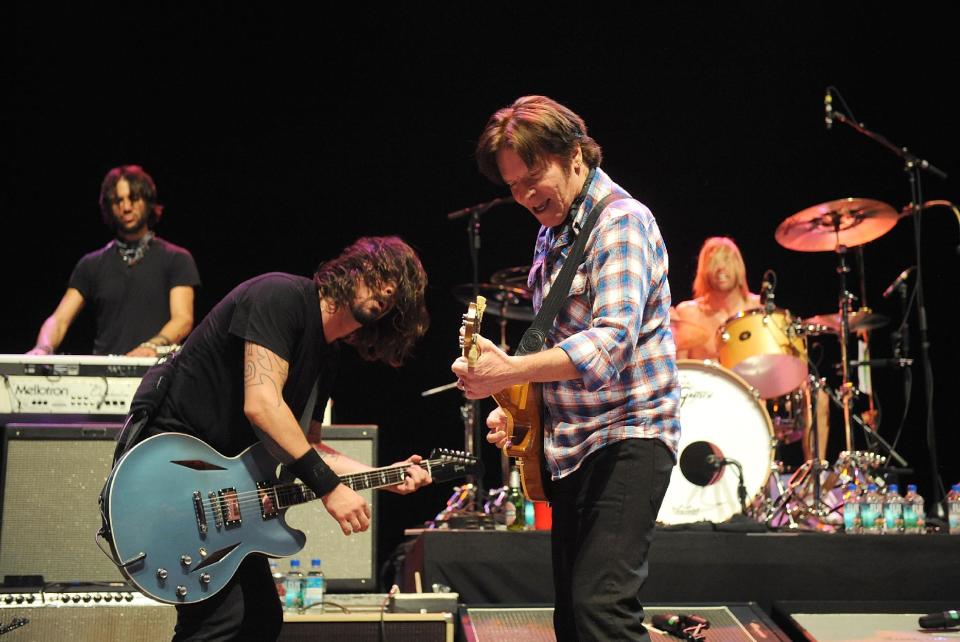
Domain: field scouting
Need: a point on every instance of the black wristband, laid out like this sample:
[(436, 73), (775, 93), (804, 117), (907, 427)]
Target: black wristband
[(314, 472)]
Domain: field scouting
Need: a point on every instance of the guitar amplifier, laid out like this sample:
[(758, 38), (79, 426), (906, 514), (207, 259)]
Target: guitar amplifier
[(51, 477), (85, 616), (348, 563)]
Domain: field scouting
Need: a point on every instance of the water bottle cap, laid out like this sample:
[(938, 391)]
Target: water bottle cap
[(912, 488), (893, 488), (851, 487), (295, 563), (872, 487), (314, 562)]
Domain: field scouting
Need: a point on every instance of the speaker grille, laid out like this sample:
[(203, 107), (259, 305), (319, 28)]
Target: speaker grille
[(51, 479), (146, 621)]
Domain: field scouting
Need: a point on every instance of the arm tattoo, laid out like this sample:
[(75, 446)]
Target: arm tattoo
[(261, 367)]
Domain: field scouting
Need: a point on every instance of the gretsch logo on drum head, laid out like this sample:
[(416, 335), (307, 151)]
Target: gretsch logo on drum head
[(686, 392)]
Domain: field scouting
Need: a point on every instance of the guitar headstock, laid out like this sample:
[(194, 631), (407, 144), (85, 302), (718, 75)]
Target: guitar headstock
[(471, 328), (450, 464)]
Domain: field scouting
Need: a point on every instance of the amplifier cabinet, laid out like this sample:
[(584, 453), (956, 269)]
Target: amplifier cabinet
[(87, 617), (51, 477)]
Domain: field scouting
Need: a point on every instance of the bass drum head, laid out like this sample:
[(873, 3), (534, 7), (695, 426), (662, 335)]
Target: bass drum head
[(720, 417)]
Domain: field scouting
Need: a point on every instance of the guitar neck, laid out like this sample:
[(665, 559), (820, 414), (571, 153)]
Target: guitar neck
[(298, 493)]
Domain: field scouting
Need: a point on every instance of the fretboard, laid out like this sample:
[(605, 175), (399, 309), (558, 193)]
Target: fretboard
[(297, 493)]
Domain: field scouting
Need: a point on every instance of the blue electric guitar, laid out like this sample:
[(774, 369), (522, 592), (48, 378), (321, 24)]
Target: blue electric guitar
[(180, 517)]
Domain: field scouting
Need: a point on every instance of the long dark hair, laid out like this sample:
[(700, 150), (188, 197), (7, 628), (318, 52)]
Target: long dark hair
[(141, 186), (378, 260)]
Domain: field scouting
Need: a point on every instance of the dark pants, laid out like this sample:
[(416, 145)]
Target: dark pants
[(603, 519), (247, 608)]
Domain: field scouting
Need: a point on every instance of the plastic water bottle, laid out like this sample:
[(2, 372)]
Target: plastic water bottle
[(294, 587), (953, 509), (851, 510), (871, 512), (893, 505), (914, 518), (279, 581), (316, 587)]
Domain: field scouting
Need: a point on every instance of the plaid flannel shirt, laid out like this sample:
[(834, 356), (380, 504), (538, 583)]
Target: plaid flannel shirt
[(615, 327)]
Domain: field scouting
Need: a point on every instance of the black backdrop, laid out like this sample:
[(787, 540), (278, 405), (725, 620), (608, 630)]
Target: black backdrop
[(278, 135)]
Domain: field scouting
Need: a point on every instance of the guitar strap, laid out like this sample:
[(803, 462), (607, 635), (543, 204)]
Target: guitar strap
[(536, 335)]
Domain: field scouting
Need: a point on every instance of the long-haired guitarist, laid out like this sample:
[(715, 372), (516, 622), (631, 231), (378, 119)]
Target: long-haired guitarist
[(608, 369), (247, 373)]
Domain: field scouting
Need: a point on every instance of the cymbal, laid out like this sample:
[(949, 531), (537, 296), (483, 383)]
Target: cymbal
[(847, 221), (863, 320), (687, 334), (516, 276), (506, 301)]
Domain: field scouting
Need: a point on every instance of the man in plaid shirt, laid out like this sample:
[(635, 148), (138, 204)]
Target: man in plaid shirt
[(610, 386)]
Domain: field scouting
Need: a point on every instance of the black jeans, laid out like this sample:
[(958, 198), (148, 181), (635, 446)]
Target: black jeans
[(603, 520), (247, 608)]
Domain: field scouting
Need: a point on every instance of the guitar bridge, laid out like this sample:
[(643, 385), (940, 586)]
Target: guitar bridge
[(200, 512)]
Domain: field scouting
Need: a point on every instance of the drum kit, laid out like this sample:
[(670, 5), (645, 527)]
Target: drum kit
[(760, 394)]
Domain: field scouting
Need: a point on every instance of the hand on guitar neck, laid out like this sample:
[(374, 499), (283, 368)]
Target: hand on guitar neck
[(492, 371)]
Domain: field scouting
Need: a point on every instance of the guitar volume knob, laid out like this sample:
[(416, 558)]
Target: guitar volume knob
[(205, 578), (161, 573), (186, 560), (181, 591)]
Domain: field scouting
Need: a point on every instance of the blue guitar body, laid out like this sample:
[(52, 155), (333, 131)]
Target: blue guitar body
[(181, 517)]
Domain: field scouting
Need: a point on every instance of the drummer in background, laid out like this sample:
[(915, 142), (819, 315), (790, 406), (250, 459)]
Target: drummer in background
[(720, 291)]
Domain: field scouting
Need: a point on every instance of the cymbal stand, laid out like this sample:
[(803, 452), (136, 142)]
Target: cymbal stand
[(914, 166), (846, 389)]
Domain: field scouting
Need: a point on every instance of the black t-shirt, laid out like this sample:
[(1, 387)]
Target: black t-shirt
[(132, 303), (278, 311)]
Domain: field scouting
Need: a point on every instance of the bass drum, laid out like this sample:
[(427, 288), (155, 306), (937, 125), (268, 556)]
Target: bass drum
[(721, 417)]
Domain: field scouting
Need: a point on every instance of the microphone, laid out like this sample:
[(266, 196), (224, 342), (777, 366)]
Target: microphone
[(944, 620), (828, 108), (480, 208), (897, 282), (688, 627)]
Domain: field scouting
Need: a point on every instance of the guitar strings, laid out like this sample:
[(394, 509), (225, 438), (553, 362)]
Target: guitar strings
[(252, 497)]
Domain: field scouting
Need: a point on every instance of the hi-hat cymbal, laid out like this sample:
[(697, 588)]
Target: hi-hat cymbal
[(516, 276), (863, 320), (507, 301), (847, 221), (687, 334)]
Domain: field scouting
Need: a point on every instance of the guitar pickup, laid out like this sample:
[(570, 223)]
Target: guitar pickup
[(229, 504), (268, 500), (200, 512)]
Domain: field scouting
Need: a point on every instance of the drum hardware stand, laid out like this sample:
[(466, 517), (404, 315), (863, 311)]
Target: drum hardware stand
[(835, 398), (846, 387), (913, 166)]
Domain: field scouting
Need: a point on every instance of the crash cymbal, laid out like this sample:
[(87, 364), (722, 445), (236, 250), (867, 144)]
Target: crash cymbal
[(516, 276), (507, 301), (863, 320), (848, 221), (687, 334)]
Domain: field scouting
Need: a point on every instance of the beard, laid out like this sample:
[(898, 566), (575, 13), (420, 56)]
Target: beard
[(365, 316)]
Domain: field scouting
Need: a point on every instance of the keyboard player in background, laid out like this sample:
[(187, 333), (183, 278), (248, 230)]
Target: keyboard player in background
[(140, 286)]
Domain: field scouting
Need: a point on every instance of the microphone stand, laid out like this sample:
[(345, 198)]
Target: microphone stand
[(470, 410), (913, 166)]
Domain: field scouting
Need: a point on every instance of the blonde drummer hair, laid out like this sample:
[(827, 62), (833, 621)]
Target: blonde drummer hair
[(724, 246)]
